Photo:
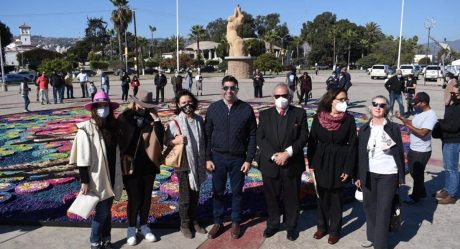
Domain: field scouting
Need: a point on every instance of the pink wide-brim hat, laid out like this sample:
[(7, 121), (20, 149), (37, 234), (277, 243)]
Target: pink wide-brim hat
[(101, 97)]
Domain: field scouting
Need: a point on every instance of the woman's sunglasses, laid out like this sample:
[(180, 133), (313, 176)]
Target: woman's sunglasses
[(381, 105)]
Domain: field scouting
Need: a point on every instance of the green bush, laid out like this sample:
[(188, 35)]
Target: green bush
[(99, 65), (55, 65), (212, 63), (267, 62)]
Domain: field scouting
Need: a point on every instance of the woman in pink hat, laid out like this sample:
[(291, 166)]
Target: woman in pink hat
[(94, 153)]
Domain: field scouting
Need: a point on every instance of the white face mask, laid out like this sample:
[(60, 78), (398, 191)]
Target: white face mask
[(103, 112), (281, 103), (341, 107)]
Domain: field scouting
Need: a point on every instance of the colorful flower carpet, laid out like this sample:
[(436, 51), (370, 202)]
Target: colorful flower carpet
[(37, 186)]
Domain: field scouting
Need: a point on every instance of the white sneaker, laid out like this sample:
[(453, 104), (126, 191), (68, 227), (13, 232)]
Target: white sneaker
[(150, 237), (367, 244), (132, 241)]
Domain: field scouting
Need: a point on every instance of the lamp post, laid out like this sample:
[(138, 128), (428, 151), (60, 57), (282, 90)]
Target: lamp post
[(400, 33), (1, 65), (429, 24), (177, 35), (282, 48)]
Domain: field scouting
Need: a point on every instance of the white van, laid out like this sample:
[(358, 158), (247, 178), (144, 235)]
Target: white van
[(407, 69), (433, 72), (379, 71)]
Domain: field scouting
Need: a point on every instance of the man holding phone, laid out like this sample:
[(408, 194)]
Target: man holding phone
[(230, 133)]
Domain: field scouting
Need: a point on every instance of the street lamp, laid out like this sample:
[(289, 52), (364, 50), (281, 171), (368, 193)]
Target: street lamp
[(1, 65), (429, 24), (282, 48), (177, 35), (400, 33)]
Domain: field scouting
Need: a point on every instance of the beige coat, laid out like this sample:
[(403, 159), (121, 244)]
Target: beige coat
[(88, 149)]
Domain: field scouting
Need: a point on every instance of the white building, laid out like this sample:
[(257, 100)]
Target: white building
[(19, 46)]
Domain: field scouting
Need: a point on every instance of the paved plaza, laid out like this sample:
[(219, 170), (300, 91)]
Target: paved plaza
[(425, 226)]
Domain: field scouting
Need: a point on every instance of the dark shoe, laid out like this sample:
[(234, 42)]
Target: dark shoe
[(291, 235), (332, 239), (441, 194), (235, 231), (447, 200), (319, 234), (215, 231), (199, 229), (269, 232), (186, 232), (107, 245)]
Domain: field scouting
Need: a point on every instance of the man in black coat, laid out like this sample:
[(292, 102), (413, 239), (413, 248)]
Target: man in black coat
[(258, 82), (395, 88), (57, 82), (160, 83), (281, 137)]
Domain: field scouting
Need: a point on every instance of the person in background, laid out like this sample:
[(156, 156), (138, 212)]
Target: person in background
[(68, 85), (420, 143), (332, 157), (380, 170), (135, 85), (281, 137), (176, 82), (92, 90), (199, 84), (332, 82), (258, 83), (105, 82), (83, 79), (395, 88), (38, 86), (188, 129), (24, 91), (410, 87), (160, 83), (43, 85), (230, 126), (125, 80), (345, 79), (189, 79), (292, 79), (451, 82), (57, 84), (305, 87), (140, 139), (94, 154)]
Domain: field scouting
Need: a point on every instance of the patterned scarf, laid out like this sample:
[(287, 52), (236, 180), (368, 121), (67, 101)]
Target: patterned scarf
[(330, 122)]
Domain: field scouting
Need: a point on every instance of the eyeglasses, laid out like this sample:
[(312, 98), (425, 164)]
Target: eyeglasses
[(381, 105), (343, 99), (232, 88), (286, 96)]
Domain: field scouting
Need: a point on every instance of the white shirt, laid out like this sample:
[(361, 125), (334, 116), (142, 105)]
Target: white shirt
[(380, 161), (82, 77), (424, 120)]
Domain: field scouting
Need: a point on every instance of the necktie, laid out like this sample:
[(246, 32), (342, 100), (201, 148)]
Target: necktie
[(282, 113)]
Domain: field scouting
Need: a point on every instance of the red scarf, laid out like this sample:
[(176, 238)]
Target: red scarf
[(330, 122)]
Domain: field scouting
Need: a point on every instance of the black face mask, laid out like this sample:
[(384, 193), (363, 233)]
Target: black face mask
[(187, 109), (454, 100)]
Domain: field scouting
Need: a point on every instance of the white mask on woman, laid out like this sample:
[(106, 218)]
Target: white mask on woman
[(281, 103), (341, 107), (103, 112)]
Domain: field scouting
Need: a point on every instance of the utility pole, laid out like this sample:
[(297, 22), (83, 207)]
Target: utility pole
[(177, 35), (400, 33), (135, 43), (429, 24), (5, 88)]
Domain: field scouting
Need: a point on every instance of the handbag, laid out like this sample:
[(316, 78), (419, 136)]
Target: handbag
[(173, 154), (84, 204), (395, 219)]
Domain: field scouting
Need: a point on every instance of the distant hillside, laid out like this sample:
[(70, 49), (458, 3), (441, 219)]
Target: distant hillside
[(454, 45), (59, 44)]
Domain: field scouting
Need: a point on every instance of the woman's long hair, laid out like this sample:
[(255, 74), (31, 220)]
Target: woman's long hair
[(107, 126), (325, 103), (185, 92)]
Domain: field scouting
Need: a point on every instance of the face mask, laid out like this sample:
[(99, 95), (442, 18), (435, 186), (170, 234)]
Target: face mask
[(341, 107), (454, 99), (281, 103), (399, 75), (187, 109), (418, 109), (103, 112)]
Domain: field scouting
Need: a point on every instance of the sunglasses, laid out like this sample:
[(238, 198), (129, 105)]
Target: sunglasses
[(232, 88), (286, 96), (381, 105)]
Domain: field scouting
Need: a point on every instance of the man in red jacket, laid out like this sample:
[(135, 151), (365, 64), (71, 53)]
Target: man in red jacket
[(42, 82)]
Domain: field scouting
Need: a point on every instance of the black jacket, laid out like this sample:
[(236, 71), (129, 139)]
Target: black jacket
[(276, 133), (332, 153), (393, 130), (231, 131), (160, 81), (56, 80), (258, 79), (450, 125), (395, 84)]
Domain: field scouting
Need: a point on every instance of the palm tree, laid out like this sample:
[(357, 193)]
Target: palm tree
[(297, 42), (111, 33), (350, 36), (373, 33), (152, 29), (332, 33), (271, 36), (121, 16), (197, 32), (364, 44), (142, 42)]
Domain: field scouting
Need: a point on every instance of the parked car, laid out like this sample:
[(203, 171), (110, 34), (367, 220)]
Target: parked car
[(28, 74), (379, 71), (407, 69), (433, 72), (14, 78), (118, 72), (150, 70), (207, 69), (453, 69), (322, 67)]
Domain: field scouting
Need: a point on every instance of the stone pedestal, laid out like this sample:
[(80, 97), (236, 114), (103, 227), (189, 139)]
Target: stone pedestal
[(240, 67)]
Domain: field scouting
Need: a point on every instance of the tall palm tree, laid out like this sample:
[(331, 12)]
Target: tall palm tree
[(350, 36), (332, 34), (373, 33), (111, 33), (271, 36), (197, 32), (297, 42), (143, 43), (121, 16), (152, 29)]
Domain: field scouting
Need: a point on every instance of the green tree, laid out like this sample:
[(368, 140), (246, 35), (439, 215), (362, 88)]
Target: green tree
[(96, 33), (316, 34), (424, 61), (152, 30), (121, 16), (6, 35), (59, 65), (268, 62), (37, 55), (271, 36), (255, 47), (222, 48), (197, 33), (80, 50), (216, 30), (248, 28)]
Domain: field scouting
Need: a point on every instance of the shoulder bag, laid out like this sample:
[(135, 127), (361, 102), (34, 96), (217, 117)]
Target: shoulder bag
[(173, 153)]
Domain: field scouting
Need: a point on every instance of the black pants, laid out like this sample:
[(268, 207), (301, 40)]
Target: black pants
[(160, 90), (378, 198), (330, 204), (84, 89), (303, 96), (258, 92), (417, 162), (139, 190), (135, 90), (188, 200), (286, 189), (124, 92), (69, 89)]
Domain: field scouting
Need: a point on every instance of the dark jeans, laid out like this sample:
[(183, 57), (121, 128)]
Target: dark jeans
[(58, 94), (258, 92), (102, 222), (417, 162), (84, 90), (304, 94), (287, 190), (160, 90), (124, 92), (378, 198), (139, 190), (135, 90), (329, 210), (410, 107), (188, 200), (227, 165), (26, 102), (394, 96), (69, 91)]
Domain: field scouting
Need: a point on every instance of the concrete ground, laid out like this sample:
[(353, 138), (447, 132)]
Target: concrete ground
[(425, 226)]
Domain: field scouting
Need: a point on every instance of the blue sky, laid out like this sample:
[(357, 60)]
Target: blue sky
[(66, 18)]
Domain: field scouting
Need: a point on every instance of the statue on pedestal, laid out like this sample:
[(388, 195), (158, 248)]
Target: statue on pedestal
[(234, 25)]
